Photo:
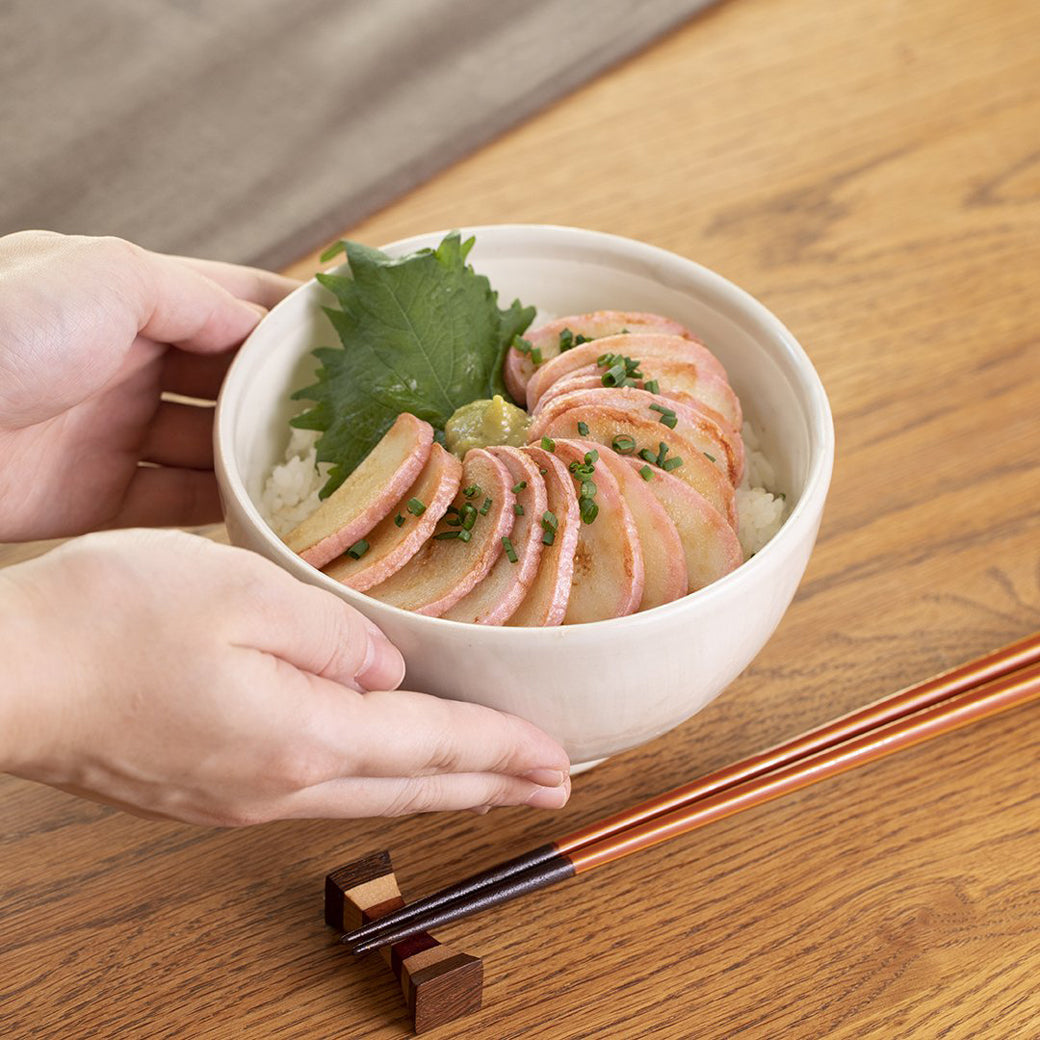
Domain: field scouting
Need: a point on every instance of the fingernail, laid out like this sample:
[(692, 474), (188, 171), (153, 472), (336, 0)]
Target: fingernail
[(481, 810), (548, 797), (384, 666), (546, 777)]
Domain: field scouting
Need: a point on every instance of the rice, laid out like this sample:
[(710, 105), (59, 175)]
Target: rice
[(291, 491), (760, 507)]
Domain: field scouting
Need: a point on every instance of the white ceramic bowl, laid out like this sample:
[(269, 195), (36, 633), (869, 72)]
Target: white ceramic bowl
[(599, 688)]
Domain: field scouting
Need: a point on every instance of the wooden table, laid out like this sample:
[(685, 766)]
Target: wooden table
[(870, 171)]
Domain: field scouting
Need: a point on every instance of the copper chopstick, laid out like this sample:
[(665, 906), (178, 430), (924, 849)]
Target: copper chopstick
[(907, 701), (1002, 694)]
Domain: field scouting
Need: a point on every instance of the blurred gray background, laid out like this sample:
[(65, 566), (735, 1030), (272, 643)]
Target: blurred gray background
[(256, 130)]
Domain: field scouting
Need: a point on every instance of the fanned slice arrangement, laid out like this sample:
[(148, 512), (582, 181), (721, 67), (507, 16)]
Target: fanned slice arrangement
[(622, 499)]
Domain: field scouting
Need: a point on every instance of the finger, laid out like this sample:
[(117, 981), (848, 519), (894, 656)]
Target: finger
[(400, 796), (166, 496), (195, 375), (405, 734), (180, 435), (247, 283), (317, 632)]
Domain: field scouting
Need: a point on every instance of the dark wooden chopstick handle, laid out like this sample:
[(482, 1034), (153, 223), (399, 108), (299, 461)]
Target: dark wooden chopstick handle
[(559, 868), (460, 890)]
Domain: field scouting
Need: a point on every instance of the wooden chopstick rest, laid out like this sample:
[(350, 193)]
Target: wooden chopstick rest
[(439, 985)]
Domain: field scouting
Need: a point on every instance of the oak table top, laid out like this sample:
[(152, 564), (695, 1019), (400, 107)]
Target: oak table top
[(869, 171)]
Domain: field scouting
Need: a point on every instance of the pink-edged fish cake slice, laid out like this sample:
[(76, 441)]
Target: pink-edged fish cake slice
[(494, 600), (518, 367), (367, 495), (448, 565), (636, 346), (664, 561), (406, 528), (710, 546), (608, 576), (676, 379), (546, 600), (719, 446), (605, 424)]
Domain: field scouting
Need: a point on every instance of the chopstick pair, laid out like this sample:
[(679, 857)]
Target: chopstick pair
[(994, 683)]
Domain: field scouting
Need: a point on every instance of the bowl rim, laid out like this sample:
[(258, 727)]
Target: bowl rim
[(807, 509)]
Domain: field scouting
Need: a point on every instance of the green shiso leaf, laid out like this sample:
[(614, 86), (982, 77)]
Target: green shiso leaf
[(421, 333)]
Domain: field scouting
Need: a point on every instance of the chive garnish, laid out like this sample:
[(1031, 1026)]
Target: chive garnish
[(518, 509), (662, 451), (710, 458), (669, 420), (416, 506), (548, 537), (655, 407), (673, 463), (646, 473), (566, 340), (469, 518), (548, 444), (588, 510), (399, 520), (519, 487), (549, 521), (464, 535), (358, 549), (510, 551), (583, 429), (648, 455), (542, 470), (651, 386), (524, 346), (588, 489), (485, 507), (473, 489), (623, 444), (459, 532)]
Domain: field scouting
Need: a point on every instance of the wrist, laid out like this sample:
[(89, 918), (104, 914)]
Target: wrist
[(23, 673)]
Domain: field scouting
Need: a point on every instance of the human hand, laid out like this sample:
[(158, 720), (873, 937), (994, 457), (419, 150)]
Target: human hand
[(180, 679), (92, 332)]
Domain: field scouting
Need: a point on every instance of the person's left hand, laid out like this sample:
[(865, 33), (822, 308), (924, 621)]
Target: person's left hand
[(93, 333)]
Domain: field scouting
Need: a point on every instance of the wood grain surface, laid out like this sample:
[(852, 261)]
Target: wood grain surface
[(871, 171)]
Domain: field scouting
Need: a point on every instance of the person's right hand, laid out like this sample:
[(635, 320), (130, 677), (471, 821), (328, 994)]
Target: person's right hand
[(176, 678)]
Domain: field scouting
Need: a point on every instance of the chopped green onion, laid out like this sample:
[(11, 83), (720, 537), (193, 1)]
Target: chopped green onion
[(623, 444), (416, 507), (588, 489), (518, 509), (542, 470), (399, 520), (519, 487), (583, 429), (524, 346), (655, 407), (662, 451), (459, 532), (710, 458), (510, 551), (673, 463), (549, 521), (669, 420), (591, 457), (651, 386), (358, 549), (588, 510), (579, 339), (548, 536), (485, 507), (646, 473), (473, 489), (566, 340), (469, 519), (548, 444), (648, 455)]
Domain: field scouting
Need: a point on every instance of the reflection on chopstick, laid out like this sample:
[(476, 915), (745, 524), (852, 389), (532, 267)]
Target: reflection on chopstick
[(994, 683)]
